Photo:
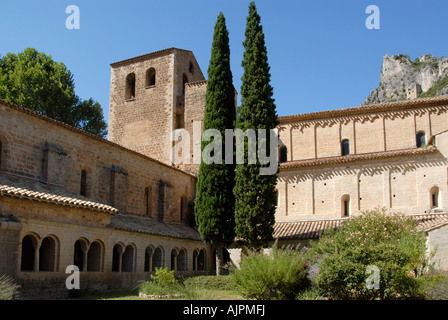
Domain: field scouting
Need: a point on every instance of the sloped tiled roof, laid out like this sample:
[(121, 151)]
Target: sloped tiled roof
[(373, 108), (313, 230), (144, 56), (154, 227), (303, 230), (431, 221), (24, 188)]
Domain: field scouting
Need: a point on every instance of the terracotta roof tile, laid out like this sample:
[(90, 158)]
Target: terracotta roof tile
[(154, 227), (24, 188), (147, 55), (314, 229), (292, 165), (374, 108)]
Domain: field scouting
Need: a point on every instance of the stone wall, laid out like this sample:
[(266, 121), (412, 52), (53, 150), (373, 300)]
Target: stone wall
[(381, 169), (145, 122), (115, 175), (369, 129)]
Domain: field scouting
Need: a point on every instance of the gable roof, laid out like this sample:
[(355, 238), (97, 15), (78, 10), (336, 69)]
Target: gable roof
[(154, 227), (298, 164), (314, 229), (30, 189), (374, 108), (147, 55)]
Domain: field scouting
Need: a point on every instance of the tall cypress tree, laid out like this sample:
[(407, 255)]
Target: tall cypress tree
[(214, 203), (255, 195)]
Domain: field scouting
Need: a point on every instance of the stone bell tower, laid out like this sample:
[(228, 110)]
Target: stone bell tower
[(148, 100)]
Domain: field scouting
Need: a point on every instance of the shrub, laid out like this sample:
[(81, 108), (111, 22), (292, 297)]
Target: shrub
[(164, 277), (163, 283), (280, 275), (387, 241), (8, 288)]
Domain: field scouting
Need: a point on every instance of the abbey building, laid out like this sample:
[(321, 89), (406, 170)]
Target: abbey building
[(119, 208)]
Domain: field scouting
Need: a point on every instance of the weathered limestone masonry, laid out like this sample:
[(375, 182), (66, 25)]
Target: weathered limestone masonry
[(382, 164), (68, 197), (147, 100)]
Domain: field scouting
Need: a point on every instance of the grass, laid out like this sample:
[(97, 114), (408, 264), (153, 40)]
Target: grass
[(197, 294), (193, 288)]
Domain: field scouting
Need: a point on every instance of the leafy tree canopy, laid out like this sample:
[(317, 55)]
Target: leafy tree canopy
[(33, 80)]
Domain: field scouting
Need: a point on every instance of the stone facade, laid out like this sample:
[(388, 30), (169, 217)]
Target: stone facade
[(382, 168), (144, 120), (118, 208), (134, 208)]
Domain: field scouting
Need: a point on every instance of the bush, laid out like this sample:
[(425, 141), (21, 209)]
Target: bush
[(163, 277), (8, 288), (280, 275), (163, 283), (388, 241)]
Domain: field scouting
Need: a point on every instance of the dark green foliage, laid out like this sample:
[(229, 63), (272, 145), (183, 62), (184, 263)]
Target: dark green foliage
[(389, 242), (34, 81), (255, 196), (214, 203), (280, 275)]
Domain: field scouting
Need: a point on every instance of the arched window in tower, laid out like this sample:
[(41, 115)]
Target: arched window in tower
[(150, 77), (345, 147), (130, 87), (421, 140), (283, 154), (191, 68), (83, 188)]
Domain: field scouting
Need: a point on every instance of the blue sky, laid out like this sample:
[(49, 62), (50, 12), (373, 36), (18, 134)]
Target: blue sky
[(321, 54)]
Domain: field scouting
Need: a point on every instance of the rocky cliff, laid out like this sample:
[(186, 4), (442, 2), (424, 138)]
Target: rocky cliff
[(403, 79)]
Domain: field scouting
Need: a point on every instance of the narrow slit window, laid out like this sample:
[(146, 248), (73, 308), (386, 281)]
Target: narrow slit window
[(345, 147), (147, 201), (283, 157), (421, 140), (434, 197), (83, 188)]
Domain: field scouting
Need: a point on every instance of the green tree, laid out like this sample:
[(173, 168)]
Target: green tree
[(214, 203), (33, 80), (255, 195)]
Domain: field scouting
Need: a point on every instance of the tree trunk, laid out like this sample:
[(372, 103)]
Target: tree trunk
[(219, 259)]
